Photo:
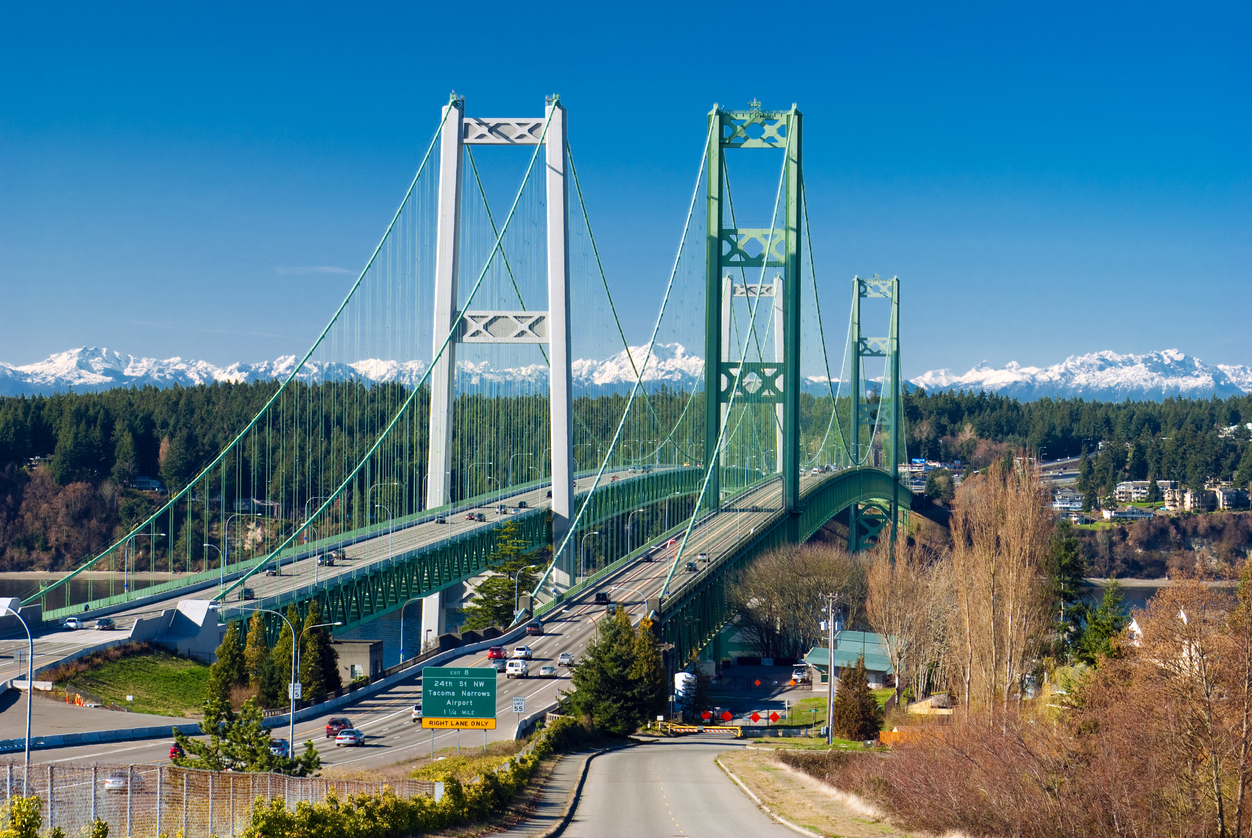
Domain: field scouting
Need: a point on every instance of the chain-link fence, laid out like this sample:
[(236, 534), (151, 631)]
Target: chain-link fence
[(147, 801)]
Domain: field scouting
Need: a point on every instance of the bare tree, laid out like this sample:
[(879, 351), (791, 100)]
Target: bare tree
[(896, 586), (780, 597), (1000, 530)]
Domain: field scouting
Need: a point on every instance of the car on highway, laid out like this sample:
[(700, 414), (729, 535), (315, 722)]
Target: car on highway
[(502, 509), (280, 748), (416, 713), (121, 781), (246, 594), (495, 652), (333, 726), (517, 668), (800, 674), (565, 659), (547, 671), (71, 623), (534, 629), (522, 653), (105, 624), (499, 664), (327, 560), (521, 504), (703, 557), (691, 567), (602, 598), (176, 751), (349, 736), (271, 571), (441, 519)]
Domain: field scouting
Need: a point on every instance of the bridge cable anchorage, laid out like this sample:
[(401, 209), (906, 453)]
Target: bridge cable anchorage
[(714, 462), (558, 551)]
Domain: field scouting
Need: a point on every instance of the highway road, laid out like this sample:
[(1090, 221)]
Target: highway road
[(385, 717), (667, 787)]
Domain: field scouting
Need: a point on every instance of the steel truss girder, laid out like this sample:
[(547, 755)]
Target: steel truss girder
[(693, 616)]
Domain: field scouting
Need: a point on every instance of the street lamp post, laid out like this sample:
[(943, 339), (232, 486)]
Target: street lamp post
[(673, 495), (297, 649), (291, 684), (516, 579), (221, 563), (511, 458), (370, 510), (130, 564), (402, 607), (831, 599), (226, 530), (390, 527), (629, 533), (7, 606), (582, 566)]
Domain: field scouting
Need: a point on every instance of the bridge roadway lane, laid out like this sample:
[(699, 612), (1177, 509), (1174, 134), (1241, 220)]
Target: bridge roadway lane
[(53, 643), (385, 717), (666, 787)]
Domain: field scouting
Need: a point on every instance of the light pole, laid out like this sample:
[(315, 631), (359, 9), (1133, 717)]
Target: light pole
[(390, 527), (831, 599), (7, 607), (402, 607), (673, 495), (372, 488), (226, 529), (582, 567), (221, 563), (297, 648), (629, 540), (511, 458), (470, 470), (517, 578), (130, 565)]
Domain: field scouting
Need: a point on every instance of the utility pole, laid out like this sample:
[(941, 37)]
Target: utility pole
[(830, 668)]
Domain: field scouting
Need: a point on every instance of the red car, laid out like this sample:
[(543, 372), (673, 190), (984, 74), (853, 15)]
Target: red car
[(337, 724), (495, 653), (175, 751)]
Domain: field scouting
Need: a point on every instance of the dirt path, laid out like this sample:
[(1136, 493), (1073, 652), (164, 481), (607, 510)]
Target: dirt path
[(802, 800)]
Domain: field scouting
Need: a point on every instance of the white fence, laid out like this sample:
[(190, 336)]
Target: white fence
[(147, 801)]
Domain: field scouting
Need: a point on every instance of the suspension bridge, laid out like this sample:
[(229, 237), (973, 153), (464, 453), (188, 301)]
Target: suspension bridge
[(448, 405)]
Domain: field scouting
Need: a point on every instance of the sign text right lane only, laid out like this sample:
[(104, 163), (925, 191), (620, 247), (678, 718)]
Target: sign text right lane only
[(459, 697)]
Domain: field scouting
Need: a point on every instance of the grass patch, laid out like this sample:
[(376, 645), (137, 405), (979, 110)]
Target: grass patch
[(473, 762), (161, 683), (808, 743)]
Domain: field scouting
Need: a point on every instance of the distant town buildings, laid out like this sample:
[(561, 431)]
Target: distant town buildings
[(1129, 513), (1136, 491), (1066, 500)]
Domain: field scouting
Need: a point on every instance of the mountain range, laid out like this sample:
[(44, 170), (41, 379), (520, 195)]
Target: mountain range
[(1102, 376)]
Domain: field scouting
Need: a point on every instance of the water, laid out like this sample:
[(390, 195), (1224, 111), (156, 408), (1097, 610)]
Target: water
[(23, 585)]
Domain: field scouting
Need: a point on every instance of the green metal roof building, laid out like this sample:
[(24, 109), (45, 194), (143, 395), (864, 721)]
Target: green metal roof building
[(850, 645)]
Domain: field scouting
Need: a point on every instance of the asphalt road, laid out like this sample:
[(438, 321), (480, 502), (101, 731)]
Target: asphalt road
[(668, 787), (385, 717)]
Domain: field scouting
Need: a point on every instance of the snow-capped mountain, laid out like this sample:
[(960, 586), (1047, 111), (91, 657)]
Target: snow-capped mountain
[(91, 369), (1102, 376)]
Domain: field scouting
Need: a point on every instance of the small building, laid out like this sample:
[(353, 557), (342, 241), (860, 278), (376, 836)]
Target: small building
[(147, 484), (1229, 496), (1066, 500), (359, 657), (1136, 491), (850, 645), (1204, 500), (1129, 513)]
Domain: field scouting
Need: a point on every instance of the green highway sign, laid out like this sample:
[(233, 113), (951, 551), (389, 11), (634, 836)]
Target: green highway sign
[(456, 696)]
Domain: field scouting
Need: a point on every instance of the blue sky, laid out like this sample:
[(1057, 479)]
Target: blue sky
[(1046, 179)]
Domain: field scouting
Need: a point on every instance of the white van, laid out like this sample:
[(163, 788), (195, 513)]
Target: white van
[(517, 667)]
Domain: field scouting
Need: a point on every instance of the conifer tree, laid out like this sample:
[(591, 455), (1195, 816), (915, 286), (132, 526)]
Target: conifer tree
[(856, 712), (319, 662), (647, 672), (604, 691), (257, 650), (227, 672)]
